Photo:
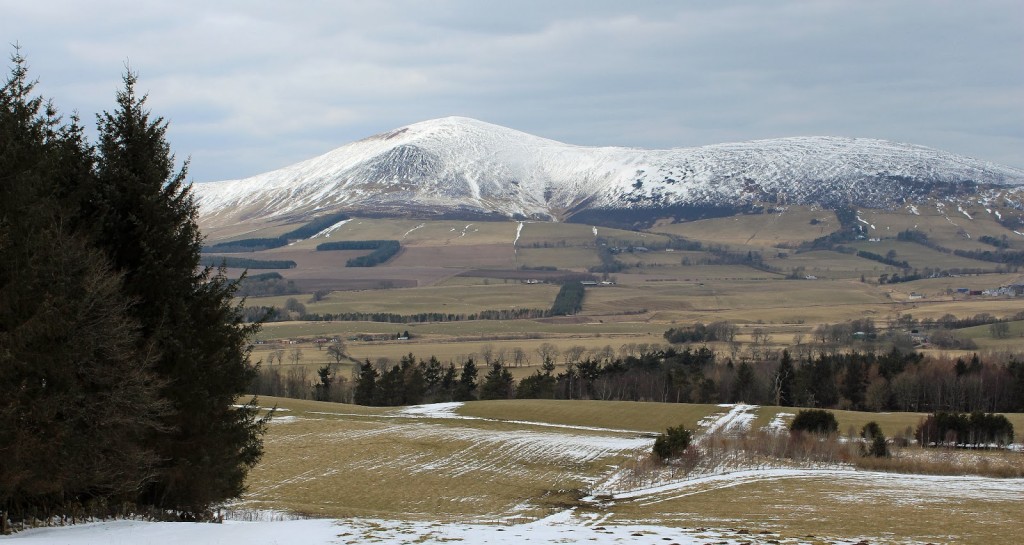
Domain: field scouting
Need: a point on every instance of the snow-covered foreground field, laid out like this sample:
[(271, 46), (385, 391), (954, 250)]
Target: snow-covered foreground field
[(433, 474), (559, 529)]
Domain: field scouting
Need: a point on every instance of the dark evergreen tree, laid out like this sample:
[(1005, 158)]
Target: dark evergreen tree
[(672, 443), (323, 388), (390, 388), (465, 388), (146, 222), (498, 383), (415, 383), (1015, 370), (432, 374), (536, 386), (77, 389), (815, 421), (855, 381), (745, 387), (785, 379), (449, 380), (366, 384)]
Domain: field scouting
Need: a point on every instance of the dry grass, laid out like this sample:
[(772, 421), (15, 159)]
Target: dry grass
[(341, 460), (988, 463), (790, 227), (562, 258), (444, 299), (622, 415), (834, 509), (336, 460)]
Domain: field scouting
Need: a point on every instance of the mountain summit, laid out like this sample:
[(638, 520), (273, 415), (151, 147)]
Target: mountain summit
[(457, 166)]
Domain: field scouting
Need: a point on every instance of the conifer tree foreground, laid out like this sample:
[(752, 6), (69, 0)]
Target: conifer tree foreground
[(147, 225), (77, 387), (120, 358)]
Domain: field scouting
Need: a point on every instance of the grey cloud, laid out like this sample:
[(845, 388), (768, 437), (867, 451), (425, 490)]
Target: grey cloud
[(251, 86)]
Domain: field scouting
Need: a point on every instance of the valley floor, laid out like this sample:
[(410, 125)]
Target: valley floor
[(507, 472)]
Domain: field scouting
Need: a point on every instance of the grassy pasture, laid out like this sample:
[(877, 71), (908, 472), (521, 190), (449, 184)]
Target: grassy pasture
[(791, 226), (329, 460), (515, 461), (444, 299), (573, 257), (949, 229), (621, 415), (539, 234), (919, 256), (826, 264), (494, 256), (877, 508)]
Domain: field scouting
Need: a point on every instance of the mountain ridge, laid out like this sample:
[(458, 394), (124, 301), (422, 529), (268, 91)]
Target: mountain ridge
[(457, 166)]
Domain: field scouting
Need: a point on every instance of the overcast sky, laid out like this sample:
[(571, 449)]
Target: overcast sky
[(253, 86)]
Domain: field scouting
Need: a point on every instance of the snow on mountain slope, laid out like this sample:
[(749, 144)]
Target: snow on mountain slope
[(457, 165)]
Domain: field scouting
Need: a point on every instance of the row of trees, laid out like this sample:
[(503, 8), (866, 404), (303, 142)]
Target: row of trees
[(383, 250), (308, 230), (569, 299), (869, 381), (699, 333), (297, 311), (411, 382), (956, 429), (120, 357)]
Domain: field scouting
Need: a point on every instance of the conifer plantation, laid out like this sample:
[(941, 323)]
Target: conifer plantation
[(121, 358)]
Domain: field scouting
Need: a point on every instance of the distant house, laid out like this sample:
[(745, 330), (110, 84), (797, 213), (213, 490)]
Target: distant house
[(914, 296)]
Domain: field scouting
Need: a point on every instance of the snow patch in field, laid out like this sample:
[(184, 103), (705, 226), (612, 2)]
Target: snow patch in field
[(326, 233), (448, 410), (778, 424), (912, 486), (737, 419), (420, 226), (433, 410), (566, 527)]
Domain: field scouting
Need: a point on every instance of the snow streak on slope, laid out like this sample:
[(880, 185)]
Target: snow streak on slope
[(458, 165)]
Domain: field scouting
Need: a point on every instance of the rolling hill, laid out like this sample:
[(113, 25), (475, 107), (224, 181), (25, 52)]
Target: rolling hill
[(463, 168)]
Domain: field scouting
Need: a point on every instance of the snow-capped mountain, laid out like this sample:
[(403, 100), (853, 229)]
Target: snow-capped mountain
[(456, 165)]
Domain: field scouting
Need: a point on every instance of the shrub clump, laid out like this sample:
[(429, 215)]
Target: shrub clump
[(815, 421), (956, 429), (672, 443), (877, 447)]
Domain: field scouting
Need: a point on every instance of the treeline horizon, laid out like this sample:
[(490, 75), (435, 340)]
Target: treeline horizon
[(863, 381)]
